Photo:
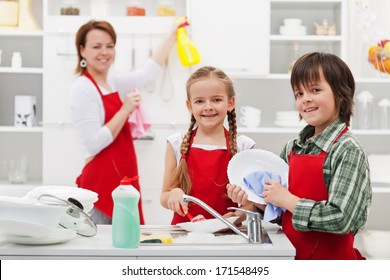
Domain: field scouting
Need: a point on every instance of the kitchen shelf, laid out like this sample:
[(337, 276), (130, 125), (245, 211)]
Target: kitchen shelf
[(23, 70), (305, 38), (15, 32), (36, 129)]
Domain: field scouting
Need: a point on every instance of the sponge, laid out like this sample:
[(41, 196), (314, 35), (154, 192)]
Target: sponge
[(164, 238)]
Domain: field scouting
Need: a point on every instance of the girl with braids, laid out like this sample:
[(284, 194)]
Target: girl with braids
[(196, 162)]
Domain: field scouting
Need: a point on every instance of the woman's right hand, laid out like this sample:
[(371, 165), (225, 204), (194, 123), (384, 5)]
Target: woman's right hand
[(175, 202), (132, 100), (237, 194)]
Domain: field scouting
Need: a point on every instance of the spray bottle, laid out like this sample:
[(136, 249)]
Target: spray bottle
[(188, 53), (125, 218)]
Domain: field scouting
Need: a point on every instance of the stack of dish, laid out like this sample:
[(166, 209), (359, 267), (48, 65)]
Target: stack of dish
[(292, 26), (289, 119), (86, 197), (27, 221)]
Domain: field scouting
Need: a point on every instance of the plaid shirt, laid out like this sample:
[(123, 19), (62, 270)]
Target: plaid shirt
[(347, 178)]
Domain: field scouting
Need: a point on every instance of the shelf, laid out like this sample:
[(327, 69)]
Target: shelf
[(23, 70), (36, 129), (307, 38), (15, 32), (297, 130)]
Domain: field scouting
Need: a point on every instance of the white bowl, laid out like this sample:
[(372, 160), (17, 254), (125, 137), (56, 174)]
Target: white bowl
[(25, 210), (292, 22), (376, 243), (292, 30)]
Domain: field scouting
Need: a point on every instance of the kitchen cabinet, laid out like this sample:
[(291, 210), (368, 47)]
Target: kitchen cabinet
[(284, 49), (26, 80), (222, 27)]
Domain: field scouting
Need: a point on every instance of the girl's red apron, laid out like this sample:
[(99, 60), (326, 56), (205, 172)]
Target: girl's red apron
[(208, 172), (306, 180), (105, 171)]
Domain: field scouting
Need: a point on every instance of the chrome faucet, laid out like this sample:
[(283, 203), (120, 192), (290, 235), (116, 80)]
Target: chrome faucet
[(254, 220)]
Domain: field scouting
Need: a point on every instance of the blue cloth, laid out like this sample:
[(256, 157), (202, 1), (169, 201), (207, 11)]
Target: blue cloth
[(256, 182)]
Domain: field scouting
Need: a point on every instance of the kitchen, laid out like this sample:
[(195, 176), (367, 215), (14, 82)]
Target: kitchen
[(46, 45)]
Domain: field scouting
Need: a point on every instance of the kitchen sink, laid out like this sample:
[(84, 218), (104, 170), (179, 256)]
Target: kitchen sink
[(182, 237)]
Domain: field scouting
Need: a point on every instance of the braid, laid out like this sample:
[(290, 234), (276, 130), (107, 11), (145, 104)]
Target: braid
[(232, 132), (182, 177)]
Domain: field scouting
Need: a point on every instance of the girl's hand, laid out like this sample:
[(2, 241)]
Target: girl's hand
[(175, 202), (132, 100), (237, 194)]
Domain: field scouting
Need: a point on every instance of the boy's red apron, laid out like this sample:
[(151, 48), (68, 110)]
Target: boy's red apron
[(306, 180), (208, 172), (104, 172)]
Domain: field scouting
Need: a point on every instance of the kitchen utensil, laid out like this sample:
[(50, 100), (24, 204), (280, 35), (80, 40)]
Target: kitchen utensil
[(207, 226), (30, 211), (384, 113), (25, 228), (74, 218), (58, 235), (364, 109), (195, 219), (86, 197), (253, 160)]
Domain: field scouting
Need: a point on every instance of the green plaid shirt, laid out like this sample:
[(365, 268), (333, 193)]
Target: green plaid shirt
[(347, 178)]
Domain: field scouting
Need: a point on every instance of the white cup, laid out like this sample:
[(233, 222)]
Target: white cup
[(251, 116), (249, 110), (252, 122)]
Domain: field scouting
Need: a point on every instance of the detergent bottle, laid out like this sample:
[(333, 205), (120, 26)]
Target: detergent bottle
[(125, 218), (188, 53)]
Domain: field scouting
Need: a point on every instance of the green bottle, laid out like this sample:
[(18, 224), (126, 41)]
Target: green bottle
[(125, 217)]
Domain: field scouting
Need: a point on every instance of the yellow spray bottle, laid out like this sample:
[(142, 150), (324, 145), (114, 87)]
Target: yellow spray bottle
[(187, 52)]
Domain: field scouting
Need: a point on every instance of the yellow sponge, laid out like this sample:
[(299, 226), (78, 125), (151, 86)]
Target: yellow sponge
[(165, 238)]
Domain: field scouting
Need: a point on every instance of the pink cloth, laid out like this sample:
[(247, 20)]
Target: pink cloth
[(139, 122)]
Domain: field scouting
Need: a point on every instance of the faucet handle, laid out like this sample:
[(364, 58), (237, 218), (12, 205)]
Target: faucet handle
[(250, 215)]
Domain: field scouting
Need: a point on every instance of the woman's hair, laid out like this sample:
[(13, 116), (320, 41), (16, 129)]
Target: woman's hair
[(81, 37), (181, 177), (307, 70)]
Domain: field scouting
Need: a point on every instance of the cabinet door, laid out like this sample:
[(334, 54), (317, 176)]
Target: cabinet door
[(231, 34)]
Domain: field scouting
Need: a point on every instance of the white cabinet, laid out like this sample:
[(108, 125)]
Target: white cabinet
[(17, 142), (285, 48), (231, 34)]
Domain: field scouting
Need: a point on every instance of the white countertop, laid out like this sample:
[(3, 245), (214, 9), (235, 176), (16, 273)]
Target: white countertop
[(100, 247)]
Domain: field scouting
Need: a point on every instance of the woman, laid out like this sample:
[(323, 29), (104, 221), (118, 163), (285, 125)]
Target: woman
[(101, 104)]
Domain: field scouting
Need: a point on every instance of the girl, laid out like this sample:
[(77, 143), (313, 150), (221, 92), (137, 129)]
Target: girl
[(329, 190), (196, 163)]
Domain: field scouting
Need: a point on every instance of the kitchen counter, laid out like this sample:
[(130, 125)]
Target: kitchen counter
[(100, 247)]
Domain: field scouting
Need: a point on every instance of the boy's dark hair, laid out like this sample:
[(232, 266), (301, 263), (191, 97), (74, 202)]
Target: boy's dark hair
[(307, 70)]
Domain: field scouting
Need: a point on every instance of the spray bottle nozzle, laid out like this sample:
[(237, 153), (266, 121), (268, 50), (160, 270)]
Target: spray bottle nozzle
[(183, 20)]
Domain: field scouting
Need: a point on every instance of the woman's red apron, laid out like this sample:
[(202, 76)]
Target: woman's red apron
[(208, 172), (105, 171), (306, 180)]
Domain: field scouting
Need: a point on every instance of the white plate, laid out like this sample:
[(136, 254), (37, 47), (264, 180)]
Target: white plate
[(249, 161), (206, 226), (15, 227), (59, 235)]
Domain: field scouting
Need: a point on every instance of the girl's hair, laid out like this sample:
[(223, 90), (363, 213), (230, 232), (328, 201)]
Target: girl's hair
[(81, 37), (307, 70), (181, 177)]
